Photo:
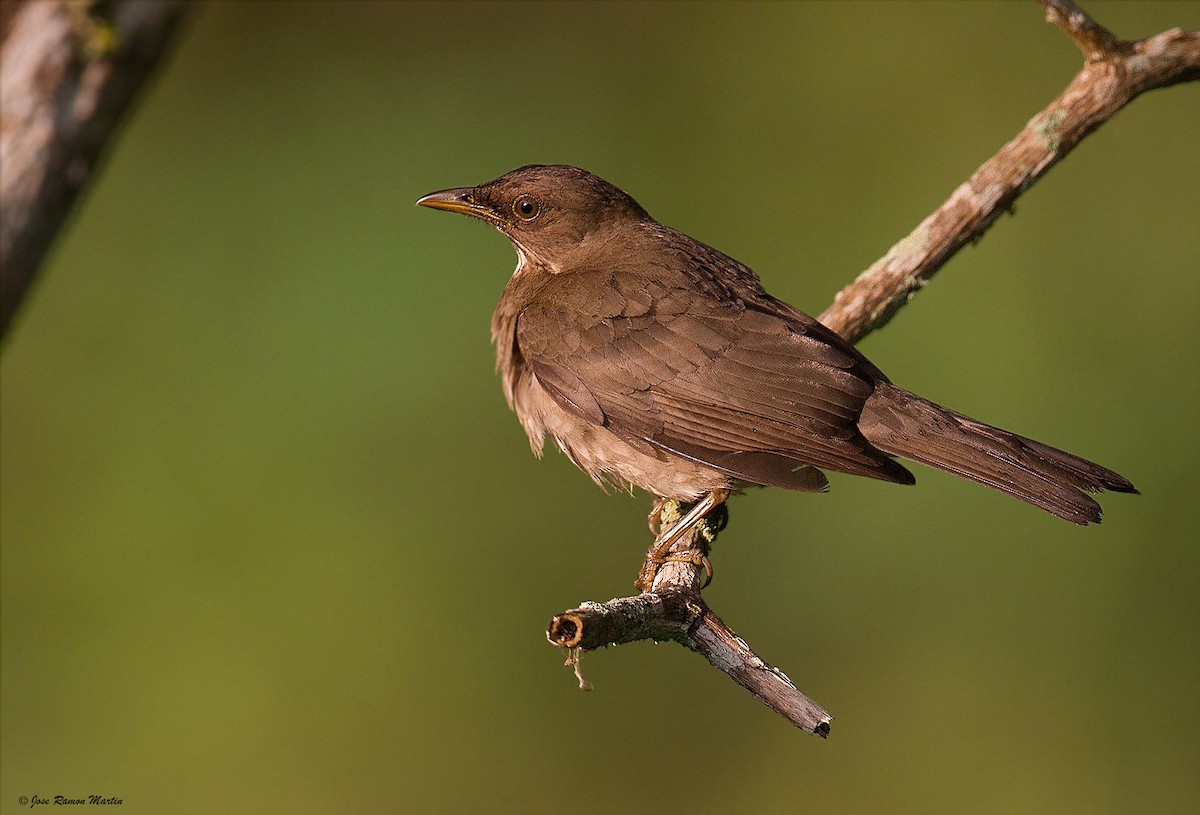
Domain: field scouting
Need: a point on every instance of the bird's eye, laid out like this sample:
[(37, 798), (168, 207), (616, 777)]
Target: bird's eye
[(527, 207)]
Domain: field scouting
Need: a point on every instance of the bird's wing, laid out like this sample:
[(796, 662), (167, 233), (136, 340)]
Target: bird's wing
[(677, 361)]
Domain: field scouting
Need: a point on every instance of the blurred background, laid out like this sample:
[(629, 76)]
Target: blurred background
[(273, 542)]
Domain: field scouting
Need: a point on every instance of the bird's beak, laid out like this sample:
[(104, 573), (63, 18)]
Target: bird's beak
[(458, 200)]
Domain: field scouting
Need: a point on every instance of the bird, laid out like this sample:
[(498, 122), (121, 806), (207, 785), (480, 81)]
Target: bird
[(654, 360)]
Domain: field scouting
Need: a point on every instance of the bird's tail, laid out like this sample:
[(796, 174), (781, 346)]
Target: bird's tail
[(904, 424)]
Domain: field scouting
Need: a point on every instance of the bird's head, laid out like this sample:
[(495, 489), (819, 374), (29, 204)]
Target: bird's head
[(551, 212)]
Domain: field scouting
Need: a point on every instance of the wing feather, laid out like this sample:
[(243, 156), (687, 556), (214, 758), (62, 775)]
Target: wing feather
[(746, 385)]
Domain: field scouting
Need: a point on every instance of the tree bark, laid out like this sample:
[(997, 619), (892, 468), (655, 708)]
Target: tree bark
[(68, 73)]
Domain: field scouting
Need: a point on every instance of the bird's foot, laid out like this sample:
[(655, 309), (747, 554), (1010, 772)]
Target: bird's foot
[(704, 519), (695, 558), (651, 565), (657, 509)]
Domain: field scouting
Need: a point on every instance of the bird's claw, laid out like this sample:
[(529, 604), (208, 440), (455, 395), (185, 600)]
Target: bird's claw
[(694, 557)]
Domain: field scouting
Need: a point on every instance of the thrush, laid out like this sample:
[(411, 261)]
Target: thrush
[(654, 360)]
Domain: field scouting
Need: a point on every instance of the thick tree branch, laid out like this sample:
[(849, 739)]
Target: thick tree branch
[(1114, 73), (68, 71)]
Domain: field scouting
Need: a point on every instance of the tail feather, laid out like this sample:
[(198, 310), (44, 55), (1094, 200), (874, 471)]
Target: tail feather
[(905, 425)]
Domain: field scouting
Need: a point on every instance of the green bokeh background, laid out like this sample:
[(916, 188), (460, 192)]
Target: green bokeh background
[(273, 543)]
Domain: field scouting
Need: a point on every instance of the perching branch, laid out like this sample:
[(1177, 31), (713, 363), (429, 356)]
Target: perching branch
[(1114, 73), (68, 71), (683, 617)]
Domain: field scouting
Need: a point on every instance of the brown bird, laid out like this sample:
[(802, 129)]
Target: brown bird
[(656, 361)]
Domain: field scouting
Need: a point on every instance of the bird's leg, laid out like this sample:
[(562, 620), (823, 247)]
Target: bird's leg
[(668, 536), (705, 531), (655, 518)]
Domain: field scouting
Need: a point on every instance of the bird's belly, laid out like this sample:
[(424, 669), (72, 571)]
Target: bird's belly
[(604, 455)]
